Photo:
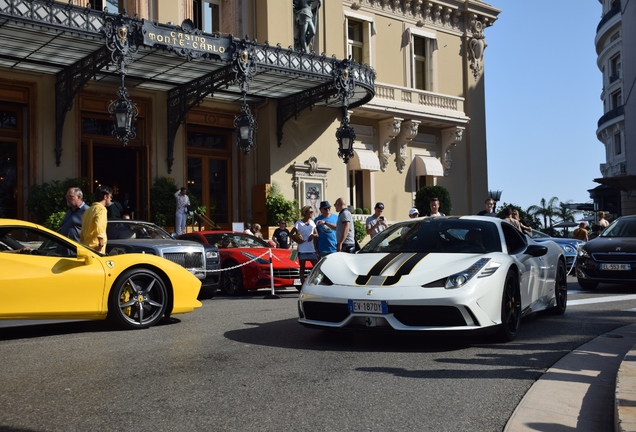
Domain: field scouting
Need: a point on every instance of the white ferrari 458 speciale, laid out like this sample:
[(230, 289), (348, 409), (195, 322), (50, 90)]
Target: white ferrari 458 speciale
[(463, 273)]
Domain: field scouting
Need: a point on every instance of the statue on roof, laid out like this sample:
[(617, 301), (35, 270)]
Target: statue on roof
[(306, 23)]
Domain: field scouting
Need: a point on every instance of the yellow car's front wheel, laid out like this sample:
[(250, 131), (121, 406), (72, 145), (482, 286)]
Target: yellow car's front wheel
[(138, 299)]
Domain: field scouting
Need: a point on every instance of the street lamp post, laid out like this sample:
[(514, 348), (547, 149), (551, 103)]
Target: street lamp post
[(245, 124), (121, 40), (496, 196), (345, 134)]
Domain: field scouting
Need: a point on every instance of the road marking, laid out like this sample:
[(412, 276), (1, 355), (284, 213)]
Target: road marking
[(601, 300)]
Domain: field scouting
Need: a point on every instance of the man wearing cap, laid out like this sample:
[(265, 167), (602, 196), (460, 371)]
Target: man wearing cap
[(326, 225), (413, 213), (376, 222), (580, 233)]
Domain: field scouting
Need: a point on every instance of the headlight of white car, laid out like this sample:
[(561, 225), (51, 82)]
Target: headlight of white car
[(317, 277), (460, 279), (211, 254)]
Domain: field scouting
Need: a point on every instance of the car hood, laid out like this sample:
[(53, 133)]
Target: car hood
[(611, 244), (395, 269), (560, 241)]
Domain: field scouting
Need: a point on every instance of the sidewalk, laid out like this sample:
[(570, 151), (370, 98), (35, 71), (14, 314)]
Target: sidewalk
[(591, 389)]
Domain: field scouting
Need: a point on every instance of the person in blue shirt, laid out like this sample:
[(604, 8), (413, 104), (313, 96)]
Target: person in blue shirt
[(72, 222), (326, 225)]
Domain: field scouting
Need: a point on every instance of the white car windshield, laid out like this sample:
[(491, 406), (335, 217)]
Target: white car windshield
[(437, 235)]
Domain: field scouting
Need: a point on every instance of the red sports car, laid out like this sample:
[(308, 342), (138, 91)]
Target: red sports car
[(248, 258)]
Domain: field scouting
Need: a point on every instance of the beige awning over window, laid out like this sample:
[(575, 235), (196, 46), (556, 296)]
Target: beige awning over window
[(364, 160), (428, 166)]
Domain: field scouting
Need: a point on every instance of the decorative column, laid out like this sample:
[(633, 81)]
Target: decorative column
[(389, 129)]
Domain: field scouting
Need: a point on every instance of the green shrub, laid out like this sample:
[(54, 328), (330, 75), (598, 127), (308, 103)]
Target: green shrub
[(360, 230), (366, 211), (358, 211), (424, 195), (162, 201), (49, 198), (280, 208), (54, 221)]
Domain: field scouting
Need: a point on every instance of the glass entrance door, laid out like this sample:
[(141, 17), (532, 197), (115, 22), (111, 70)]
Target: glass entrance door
[(209, 171), (120, 168), (11, 169), (8, 179)]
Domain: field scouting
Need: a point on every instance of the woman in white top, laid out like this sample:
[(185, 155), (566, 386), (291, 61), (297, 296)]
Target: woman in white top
[(306, 249)]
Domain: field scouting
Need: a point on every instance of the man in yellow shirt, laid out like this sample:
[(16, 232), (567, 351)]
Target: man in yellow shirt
[(94, 220), (580, 233)]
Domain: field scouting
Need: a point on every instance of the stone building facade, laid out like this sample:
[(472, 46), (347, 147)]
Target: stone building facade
[(417, 106)]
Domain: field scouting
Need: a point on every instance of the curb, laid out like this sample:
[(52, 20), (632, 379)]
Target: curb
[(625, 398)]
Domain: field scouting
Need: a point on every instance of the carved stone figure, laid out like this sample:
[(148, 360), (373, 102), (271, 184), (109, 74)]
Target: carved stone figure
[(476, 46), (306, 20)]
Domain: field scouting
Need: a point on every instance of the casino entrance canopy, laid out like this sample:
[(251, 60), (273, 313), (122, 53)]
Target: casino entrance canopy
[(69, 41)]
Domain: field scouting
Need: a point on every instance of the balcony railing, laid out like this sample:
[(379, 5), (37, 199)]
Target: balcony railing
[(616, 112), (613, 11), (419, 97), (614, 77)]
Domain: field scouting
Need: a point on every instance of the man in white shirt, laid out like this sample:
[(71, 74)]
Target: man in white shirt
[(183, 201)]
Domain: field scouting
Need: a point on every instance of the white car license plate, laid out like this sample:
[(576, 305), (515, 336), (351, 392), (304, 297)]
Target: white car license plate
[(297, 282), (616, 267), (368, 306)]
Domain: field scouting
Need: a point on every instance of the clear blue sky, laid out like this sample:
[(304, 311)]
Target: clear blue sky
[(543, 100)]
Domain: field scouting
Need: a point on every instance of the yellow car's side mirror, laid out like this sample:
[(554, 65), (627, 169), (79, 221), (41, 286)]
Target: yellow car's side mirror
[(85, 254)]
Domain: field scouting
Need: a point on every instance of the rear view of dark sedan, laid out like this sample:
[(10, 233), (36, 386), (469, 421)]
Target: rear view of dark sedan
[(610, 257)]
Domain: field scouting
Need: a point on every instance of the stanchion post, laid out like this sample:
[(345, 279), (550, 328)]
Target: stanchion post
[(273, 295)]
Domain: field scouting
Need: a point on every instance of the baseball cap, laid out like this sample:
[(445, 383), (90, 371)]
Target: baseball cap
[(379, 206), (325, 204), (413, 211)]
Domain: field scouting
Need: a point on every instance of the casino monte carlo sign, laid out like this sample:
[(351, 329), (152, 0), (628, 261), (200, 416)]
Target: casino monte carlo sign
[(187, 41)]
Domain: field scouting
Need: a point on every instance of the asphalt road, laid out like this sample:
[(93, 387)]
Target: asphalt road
[(245, 364)]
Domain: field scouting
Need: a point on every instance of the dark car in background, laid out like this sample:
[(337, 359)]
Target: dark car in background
[(610, 257), (135, 236), (569, 245)]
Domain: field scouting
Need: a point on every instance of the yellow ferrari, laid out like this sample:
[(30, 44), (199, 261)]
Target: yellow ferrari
[(45, 275)]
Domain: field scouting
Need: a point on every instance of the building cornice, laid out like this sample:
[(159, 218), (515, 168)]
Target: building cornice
[(453, 16)]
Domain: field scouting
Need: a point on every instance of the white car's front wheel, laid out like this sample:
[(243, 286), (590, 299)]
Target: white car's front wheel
[(510, 308)]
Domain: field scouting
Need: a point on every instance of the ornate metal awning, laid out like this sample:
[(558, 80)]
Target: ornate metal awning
[(49, 37)]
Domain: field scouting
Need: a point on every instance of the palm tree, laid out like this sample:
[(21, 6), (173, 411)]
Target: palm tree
[(565, 214), (546, 210)]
